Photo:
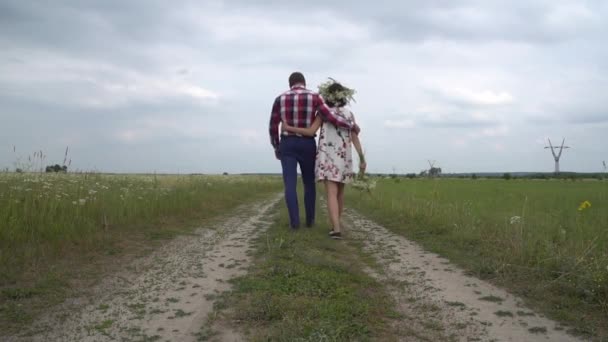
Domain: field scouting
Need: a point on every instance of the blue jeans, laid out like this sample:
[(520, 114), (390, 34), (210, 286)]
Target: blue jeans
[(296, 150)]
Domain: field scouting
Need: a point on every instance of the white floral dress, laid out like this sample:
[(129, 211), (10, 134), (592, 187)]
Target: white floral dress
[(334, 154)]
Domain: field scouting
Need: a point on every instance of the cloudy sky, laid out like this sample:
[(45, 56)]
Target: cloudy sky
[(187, 86)]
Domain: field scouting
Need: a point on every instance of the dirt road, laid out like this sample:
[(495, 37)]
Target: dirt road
[(441, 303)]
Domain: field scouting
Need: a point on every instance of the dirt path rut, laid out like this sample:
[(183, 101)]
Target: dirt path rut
[(439, 302), (170, 293)]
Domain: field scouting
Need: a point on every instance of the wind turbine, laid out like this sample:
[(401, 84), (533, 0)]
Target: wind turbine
[(558, 155)]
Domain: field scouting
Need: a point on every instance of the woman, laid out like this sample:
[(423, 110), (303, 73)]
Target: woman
[(334, 164)]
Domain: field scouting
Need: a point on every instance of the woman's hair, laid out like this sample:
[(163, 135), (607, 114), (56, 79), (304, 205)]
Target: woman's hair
[(336, 101)]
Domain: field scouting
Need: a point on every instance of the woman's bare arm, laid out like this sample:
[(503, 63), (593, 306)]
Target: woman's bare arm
[(310, 131), (359, 149)]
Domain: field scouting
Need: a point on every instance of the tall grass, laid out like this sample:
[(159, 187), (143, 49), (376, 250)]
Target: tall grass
[(43, 215), (527, 235)]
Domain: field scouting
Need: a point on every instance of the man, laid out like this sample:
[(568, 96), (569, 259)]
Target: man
[(299, 107)]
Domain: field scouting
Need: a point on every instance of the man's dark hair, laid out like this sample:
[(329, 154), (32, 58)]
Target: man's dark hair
[(295, 78)]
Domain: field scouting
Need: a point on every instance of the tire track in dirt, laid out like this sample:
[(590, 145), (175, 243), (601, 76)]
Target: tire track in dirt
[(439, 302), (171, 292)]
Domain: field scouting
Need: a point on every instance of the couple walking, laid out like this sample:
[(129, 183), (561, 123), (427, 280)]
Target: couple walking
[(300, 113)]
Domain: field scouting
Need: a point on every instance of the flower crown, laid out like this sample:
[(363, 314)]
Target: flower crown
[(346, 94)]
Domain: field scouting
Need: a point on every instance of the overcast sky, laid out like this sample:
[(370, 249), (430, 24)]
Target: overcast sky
[(187, 86)]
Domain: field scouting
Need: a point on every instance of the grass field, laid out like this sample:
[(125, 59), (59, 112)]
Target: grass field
[(545, 240), (541, 239), (52, 224)]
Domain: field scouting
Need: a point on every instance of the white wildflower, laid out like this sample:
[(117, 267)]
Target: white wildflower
[(82, 201), (515, 220)]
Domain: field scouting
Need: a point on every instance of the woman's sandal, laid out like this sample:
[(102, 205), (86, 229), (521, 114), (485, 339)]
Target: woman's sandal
[(335, 235)]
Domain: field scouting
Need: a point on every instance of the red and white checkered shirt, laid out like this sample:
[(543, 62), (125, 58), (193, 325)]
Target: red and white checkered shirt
[(299, 108)]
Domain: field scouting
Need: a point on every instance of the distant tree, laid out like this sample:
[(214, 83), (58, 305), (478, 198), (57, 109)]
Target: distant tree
[(507, 176), (474, 176), (225, 173), (56, 168), (410, 175), (19, 170)]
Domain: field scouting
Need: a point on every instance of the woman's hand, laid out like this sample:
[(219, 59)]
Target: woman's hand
[(284, 126), (362, 167)]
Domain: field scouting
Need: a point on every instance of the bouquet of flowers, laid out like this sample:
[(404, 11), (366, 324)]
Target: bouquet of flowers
[(362, 181)]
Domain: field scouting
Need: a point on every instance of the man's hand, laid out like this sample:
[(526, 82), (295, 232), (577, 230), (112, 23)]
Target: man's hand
[(356, 129), (277, 154)]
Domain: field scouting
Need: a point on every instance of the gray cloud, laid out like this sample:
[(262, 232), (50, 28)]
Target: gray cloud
[(147, 85)]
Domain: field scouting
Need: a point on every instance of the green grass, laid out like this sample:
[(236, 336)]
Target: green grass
[(306, 287), (59, 231), (525, 235)]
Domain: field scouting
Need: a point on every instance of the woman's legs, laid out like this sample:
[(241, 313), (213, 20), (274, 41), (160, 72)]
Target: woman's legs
[(333, 207), (341, 199)]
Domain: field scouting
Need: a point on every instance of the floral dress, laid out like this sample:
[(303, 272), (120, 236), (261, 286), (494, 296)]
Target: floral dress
[(334, 154)]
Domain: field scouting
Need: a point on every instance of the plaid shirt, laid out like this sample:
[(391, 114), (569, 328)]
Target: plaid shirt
[(299, 107)]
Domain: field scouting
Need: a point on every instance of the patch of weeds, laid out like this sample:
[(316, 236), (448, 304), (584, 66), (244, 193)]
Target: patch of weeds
[(433, 325), (524, 313), (157, 311), (166, 234), (172, 300), (16, 313), (210, 296), (502, 313), (103, 307), (456, 304), (461, 326), (19, 293), (493, 299), (146, 338), (429, 307), (101, 327), (134, 330), (205, 334), (179, 313), (538, 330)]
